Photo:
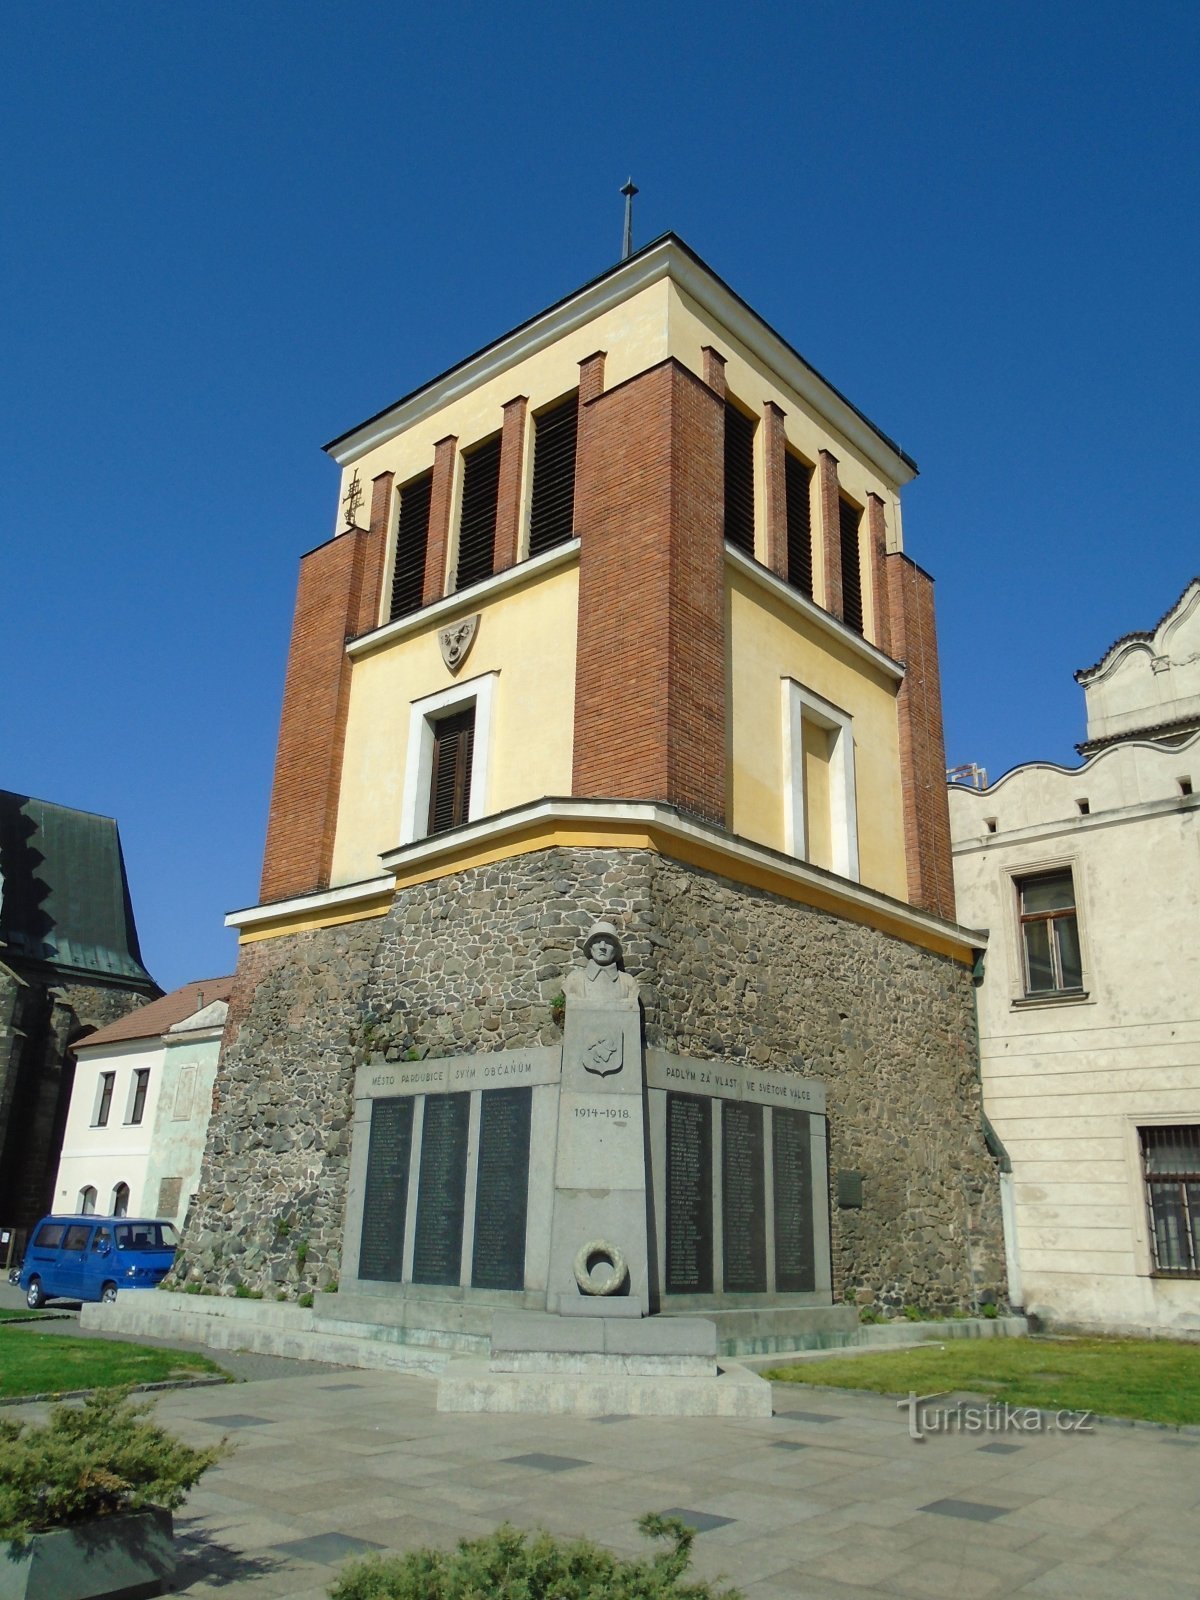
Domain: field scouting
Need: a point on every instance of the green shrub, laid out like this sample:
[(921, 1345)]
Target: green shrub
[(913, 1314), (90, 1461), (331, 1287), (989, 1309), (866, 1315), (511, 1565), (305, 1300)]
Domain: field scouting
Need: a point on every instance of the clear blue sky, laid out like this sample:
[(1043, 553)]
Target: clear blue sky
[(231, 231)]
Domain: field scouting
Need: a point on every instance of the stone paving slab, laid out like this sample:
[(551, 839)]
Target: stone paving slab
[(850, 1516)]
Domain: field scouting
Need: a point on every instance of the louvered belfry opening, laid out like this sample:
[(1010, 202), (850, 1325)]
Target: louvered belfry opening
[(450, 780), (477, 525), (739, 479), (798, 500), (412, 540), (852, 604), (552, 502)]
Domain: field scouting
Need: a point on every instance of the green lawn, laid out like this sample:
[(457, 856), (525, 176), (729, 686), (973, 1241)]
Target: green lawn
[(47, 1363), (19, 1314), (1153, 1379)]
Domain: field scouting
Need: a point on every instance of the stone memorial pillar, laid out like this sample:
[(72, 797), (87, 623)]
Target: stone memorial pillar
[(598, 1250)]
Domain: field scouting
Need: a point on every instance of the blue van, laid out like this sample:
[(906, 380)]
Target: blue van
[(90, 1258)]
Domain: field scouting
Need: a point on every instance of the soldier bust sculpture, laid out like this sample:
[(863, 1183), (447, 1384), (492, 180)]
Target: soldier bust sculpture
[(601, 982)]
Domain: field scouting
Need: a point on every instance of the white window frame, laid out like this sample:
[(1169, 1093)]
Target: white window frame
[(98, 1104), (1040, 867), (418, 762), (801, 705)]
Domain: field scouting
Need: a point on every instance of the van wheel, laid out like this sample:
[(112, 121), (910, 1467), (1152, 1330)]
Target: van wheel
[(108, 1294), (35, 1297)]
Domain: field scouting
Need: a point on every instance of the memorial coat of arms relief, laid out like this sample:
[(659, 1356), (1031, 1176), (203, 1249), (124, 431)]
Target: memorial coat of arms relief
[(604, 1054)]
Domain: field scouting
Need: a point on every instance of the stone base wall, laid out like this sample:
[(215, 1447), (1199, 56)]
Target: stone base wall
[(475, 962)]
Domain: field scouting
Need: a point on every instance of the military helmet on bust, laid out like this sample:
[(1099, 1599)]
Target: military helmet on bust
[(601, 930)]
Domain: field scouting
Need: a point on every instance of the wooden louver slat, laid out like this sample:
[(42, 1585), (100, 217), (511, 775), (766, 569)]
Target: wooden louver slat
[(477, 524), (849, 518), (450, 779), (552, 501), (739, 479), (797, 495), (412, 541)]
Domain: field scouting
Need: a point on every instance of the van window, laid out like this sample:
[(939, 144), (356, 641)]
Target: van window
[(145, 1236), (103, 1238), (50, 1237), (77, 1236)]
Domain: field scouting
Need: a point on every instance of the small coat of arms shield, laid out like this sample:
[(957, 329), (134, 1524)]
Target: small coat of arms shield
[(604, 1054), (456, 641)]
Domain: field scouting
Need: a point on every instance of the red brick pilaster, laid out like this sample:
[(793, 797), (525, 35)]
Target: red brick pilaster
[(922, 745), (591, 387), (775, 485), (877, 542), (714, 371), (508, 500), (333, 601), (831, 532), (381, 502), (444, 456), (381, 513), (650, 666)]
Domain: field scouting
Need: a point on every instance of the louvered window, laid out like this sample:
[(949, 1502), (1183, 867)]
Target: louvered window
[(852, 603), (412, 540), (450, 780), (739, 479), (552, 503), (477, 525), (798, 481)]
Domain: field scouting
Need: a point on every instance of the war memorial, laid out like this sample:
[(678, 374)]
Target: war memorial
[(603, 1013)]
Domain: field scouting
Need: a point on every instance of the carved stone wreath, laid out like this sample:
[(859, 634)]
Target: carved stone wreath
[(613, 1280)]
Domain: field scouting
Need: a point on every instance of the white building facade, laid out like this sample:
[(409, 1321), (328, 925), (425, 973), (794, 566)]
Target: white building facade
[(1088, 882), (140, 1105)]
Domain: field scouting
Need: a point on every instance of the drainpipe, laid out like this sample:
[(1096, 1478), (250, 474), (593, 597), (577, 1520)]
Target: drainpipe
[(1000, 1155)]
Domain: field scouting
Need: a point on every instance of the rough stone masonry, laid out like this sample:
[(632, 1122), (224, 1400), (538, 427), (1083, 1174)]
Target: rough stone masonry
[(475, 962)]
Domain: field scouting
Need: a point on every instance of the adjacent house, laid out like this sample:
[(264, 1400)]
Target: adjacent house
[(69, 964), (139, 1111), (1087, 880)]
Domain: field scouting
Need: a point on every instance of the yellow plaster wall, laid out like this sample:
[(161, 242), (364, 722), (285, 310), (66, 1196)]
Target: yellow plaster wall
[(768, 640), (819, 840), (752, 383), (527, 635), (634, 336)]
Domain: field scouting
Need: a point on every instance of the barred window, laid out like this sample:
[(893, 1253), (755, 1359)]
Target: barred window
[(1050, 934), (1171, 1168)]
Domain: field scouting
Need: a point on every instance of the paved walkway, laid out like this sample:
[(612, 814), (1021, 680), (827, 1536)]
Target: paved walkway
[(830, 1499)]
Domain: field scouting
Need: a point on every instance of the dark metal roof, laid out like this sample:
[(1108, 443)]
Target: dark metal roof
[(621, 266), (64, 897)]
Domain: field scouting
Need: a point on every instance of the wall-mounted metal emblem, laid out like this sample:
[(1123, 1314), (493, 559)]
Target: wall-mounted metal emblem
[(351, 501), (456, 641)]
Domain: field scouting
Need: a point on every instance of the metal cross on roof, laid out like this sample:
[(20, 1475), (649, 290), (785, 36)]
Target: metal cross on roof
[(351, 501), (629, 190)]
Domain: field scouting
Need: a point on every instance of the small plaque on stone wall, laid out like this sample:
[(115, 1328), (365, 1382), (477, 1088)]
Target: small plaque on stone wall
[(791, 1147), (743, 1199), (441, 1189), (502, 1189), (689, 1195), (385, 1193)]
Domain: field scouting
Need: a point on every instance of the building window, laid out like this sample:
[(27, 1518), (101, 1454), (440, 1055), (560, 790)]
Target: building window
[(446, 765), (450, 778), (1050, 934), (1171, 1167), (739, 479), (120, 1200), (87, 1201), (137, 1104), (820, 819), (104, 1099), (849, 520), (412, 541), (477, 522), (798, 504), (552, 499)]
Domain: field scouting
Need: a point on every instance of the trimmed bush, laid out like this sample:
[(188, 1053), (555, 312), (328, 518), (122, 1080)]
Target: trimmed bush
[(511, 1565), (91, 1461)]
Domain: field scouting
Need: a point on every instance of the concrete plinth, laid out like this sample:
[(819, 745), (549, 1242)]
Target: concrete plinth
[(469, 1384)]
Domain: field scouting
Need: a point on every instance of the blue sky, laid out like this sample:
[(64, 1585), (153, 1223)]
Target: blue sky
[(231, 231)]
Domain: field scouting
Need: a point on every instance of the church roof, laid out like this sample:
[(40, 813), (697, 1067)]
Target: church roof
[(64, 897), (147, 1022)]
